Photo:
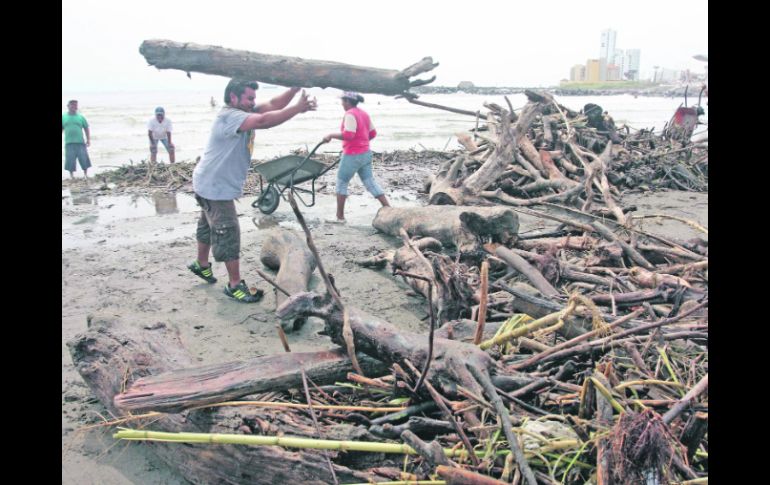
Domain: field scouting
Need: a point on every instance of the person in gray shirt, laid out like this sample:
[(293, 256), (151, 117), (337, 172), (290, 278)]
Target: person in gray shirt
[(219, 177)]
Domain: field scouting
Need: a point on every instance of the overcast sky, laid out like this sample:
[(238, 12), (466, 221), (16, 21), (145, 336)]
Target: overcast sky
[(503, 43)]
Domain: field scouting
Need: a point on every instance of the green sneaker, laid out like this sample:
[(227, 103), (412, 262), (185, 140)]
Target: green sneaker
[(242, 293), (204, 273)]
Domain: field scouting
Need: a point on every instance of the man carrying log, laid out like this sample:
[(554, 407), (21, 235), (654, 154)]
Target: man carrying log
[(219, 177)]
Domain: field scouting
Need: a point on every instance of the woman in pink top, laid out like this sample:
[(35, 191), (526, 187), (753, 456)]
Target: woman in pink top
[(355, 133)]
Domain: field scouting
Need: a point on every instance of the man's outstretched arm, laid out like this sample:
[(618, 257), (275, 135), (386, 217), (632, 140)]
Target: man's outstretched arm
[(277, 103)]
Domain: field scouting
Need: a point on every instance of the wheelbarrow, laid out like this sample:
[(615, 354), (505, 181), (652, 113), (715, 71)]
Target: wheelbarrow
[(285, 173), (685, 119)]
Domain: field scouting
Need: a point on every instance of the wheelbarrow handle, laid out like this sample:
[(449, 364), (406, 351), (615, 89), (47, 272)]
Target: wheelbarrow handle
[(291, 183), (316, 148)]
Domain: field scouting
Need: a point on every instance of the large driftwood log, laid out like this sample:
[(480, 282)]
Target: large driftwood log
[(286, 252), (111, 354), (384, 342), (281, 70), (181, 389), (462, 227)]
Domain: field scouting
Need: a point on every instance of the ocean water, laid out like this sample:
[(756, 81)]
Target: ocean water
[(118, 121)]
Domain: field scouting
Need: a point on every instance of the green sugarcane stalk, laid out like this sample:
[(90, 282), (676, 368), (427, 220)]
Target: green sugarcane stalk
[(647, 382), (667, 363), (529, 328), (286, 441), (305, 443), (606, 393)]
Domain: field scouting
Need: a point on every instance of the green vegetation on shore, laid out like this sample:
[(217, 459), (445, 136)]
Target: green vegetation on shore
[(607, 85)]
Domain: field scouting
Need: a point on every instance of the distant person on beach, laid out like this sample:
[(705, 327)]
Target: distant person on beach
[(159, 130), (213, 103), (219, 177), (355, 132), (73, 124)]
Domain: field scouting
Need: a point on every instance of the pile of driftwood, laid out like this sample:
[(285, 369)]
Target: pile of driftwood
[(592, 370), (403, 169), (171, 176), (549, 153), (572, 355)]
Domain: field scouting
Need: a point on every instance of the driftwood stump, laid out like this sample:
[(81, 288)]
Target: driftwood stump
[(286, 252)]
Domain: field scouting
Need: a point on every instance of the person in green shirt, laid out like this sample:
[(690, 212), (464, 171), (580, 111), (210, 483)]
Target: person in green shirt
[(73, 124)]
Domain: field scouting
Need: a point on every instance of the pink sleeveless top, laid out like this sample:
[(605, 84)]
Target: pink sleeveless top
[(357, 130)]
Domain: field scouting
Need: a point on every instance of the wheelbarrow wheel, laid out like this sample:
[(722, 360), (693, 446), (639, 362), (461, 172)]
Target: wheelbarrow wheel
[(269, 200)]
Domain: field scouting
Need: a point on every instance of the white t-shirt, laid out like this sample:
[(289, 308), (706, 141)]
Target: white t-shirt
[(159, 130)]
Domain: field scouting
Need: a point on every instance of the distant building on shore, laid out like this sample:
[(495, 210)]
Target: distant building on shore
[(613, 72), (593, 70), (607, 46), (631, 64), (578, 73), (612, 65)]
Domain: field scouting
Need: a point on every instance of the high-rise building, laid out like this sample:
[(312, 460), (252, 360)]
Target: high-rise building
[(607, 49), (602, 69), (577, 73), (618, 60), (631, 65), (593, 68)]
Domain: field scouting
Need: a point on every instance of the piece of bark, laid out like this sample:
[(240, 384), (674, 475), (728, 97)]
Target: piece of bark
[(532, 274), (180, 389), (459, 476), (604, 418), (530, 153), (550, 167)]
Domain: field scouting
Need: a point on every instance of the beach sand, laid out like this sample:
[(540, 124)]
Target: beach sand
[(121, 256)]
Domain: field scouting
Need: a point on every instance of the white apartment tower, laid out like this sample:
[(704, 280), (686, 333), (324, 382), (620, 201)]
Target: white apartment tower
[(607, 49), (631, 64)]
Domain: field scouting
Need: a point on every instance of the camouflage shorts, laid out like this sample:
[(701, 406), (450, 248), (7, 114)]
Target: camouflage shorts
[(218, 226)]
